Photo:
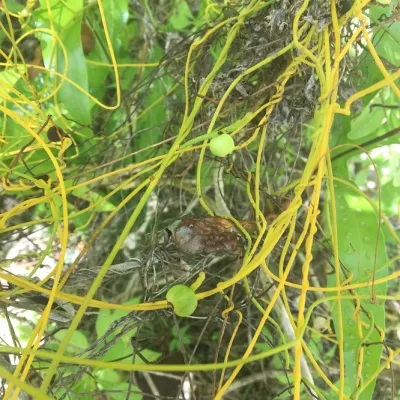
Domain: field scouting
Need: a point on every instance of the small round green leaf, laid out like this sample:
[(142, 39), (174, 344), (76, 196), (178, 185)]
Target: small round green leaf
[(222, 145), (183, 299)]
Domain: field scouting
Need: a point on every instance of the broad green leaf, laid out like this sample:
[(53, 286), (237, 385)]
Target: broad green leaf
[(10, 77), (118, 351), (103, 321), (121, 34), (387, 163), (14, 6), (67, 21), (373, 118), (122, 350), (390, 198), (16, 138), (123, 387), (395, 165), (97, 74), (207, 172), (108, 375), (183, 337), (150, 355), (131, 302), (150, 125), (85, 385), (116, 13), (182, 16), (61, 15), (92, 197), (74, 100), (77, 343), (388, 45), (357, 225), (106, 317)]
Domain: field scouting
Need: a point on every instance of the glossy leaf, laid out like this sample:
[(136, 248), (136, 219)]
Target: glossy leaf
[(357, 225), (67, 20), (116, 13), (75, 101)]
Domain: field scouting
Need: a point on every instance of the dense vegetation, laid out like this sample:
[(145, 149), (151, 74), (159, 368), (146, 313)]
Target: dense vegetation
[(199, 199)]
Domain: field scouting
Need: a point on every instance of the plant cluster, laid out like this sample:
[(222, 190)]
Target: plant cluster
[(199, 199)]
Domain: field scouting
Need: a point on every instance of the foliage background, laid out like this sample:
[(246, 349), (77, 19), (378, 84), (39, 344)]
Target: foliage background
[(136, 89)]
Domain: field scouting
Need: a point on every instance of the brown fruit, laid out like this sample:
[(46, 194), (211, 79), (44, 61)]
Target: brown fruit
[(209, 235), (55, 134)]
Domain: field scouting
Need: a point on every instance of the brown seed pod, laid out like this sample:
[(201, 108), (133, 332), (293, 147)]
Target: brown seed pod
[(55, 134), (210, 235)]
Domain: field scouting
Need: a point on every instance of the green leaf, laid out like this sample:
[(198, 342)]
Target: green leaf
[(372, 119), (181, 335), (123, 387), (207, 172), (92, 197), (16, 138), (124, 313), (85, 385), (14, 6), (108, 375), (150, 125), (118, 351), (386, 42), (77, 343), (116, 13), (80, 390), (10, 77), (106, 317), (357, 225), (103, 321), (67, 20), (390, 198), (182, 17), (149, 355), (122, 350), (97, 74), (74, 100)]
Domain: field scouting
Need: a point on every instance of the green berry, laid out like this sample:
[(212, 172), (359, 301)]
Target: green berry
[(222, 145), (183, 299)]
